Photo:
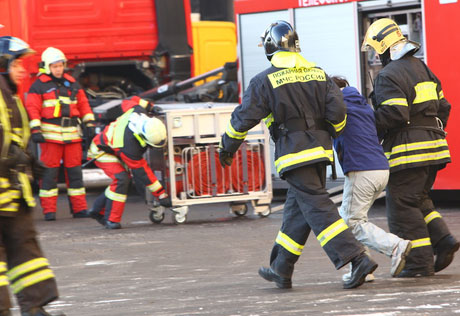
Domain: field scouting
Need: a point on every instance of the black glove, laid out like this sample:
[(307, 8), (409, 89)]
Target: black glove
[(225, 158), (165, 202), (106, 149), (90, 131), (38, 168), (37, 137), (17, 156), (156, 110)]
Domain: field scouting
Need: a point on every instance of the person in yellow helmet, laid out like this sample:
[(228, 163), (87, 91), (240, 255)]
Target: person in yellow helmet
[(56, 105), (23, 266), (411, 113)]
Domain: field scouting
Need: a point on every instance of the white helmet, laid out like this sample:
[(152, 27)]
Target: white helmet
[(152, 130), (50, 56)]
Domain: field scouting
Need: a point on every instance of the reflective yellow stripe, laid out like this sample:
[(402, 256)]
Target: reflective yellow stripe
[(418, 146), (232, 133), (421, 242), (10, 195), (48, 193), (155, 186), (75, 191), (11, 207), (26, 267), (432, 216), (2, 266), (302, 156), (26, 189), (338, 127), (143, 103), (333, 230), (292, 75), (47, 127), (396, 101), (3, 280), (269, 120), (88, 117), (441, 95), (115, 196), (50, 103), (419, 158), (4, 183), (6, 126), (32, 279), (289, 244), (140, 140), (425, 91), (35, 123)]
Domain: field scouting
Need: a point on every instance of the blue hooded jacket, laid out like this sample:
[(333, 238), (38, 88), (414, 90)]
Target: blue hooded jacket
[(358, 146)]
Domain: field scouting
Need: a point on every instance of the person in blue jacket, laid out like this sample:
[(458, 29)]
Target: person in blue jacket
[(366, 173)]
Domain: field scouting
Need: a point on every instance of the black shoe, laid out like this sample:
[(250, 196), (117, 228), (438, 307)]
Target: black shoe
[(445, 250), (81, 214), (95, 215), (39, 311), (269, 275), (361, 266), (112, 225), (50, 216), (413, 273)]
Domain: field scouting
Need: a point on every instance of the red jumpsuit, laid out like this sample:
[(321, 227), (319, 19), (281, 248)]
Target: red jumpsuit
[(56, 107), (127, 153)]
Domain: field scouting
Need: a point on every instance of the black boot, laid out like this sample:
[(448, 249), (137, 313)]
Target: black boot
[(81, 214), (39, 311), (95, 215), (444, 251), (417, 272), (50, 216), (361, 265), (270, 275), (112, 225)]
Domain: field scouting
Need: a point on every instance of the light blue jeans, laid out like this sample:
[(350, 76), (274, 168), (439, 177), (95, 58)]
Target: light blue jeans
[(360, 190)]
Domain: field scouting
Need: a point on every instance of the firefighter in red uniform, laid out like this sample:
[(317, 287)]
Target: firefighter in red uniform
[(57, 105), (124, 143), (22, 264), (303, 108), (410, 114)]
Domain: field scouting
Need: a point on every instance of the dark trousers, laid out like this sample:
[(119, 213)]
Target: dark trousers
[(308, 207), (22, 263), (411, 213)]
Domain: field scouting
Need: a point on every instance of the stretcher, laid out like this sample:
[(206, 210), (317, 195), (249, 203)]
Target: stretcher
[(189, 165)]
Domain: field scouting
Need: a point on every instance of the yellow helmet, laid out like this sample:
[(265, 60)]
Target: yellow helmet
[(50, 56), (381, 35)]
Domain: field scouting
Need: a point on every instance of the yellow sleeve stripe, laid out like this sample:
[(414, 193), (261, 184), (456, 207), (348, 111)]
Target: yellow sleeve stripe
[(396, 101)]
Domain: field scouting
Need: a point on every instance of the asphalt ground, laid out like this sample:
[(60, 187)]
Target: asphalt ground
[(208, 266)]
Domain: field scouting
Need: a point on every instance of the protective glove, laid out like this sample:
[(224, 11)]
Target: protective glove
[(165, 202), (38, 168), (37, 137), (17, 156), (90, 130), (225, 158), (156, 110), (106, 149)]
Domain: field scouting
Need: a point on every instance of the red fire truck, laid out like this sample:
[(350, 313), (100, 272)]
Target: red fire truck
[(331, 33)]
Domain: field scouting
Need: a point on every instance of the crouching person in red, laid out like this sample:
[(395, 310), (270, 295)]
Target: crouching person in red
[(119, 150)]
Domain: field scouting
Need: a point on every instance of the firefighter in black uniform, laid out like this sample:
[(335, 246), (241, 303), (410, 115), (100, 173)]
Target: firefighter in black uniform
[(411, 114), (302, 107), (22, 264)]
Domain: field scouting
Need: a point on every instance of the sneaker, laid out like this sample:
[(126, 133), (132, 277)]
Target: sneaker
[(270, 275), (81, 214), (398, 257), (50, 216), (445, 250), (362, 265), (347, 276)]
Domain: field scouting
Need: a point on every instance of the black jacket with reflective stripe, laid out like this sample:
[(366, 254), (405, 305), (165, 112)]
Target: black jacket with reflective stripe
[(284, 95), (409, 99)]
